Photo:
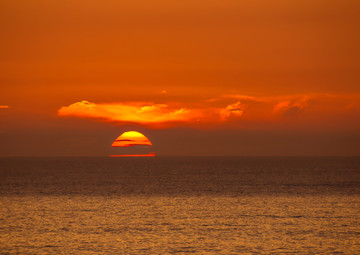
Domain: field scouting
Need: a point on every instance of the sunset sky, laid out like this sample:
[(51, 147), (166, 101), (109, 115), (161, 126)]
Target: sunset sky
[(196, 77)]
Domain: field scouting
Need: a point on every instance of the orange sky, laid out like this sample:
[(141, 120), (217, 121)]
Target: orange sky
[(282, 68)]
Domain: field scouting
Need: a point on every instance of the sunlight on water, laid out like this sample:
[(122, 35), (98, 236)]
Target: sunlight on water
[(48, 209)]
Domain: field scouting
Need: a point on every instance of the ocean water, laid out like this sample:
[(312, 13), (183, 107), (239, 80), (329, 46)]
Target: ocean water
[(165, 205)]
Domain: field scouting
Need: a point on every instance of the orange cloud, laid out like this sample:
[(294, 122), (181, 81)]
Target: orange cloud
[(4, 107), (236, 110), (292, 106), (150, 114), (138, 112), (302, 108)]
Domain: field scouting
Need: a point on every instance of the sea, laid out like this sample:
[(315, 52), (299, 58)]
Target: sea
[(180, 205)]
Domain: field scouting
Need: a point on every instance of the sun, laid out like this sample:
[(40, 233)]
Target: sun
[(132, 138)]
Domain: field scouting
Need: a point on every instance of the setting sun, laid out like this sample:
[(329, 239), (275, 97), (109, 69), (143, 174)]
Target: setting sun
[(129, 139)]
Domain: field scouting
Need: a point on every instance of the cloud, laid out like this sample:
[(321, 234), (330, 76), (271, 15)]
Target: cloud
[(281, 105), (232, 110), (291, 106), (4, 107), (221, 110), (142, 113), (150, 114)]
